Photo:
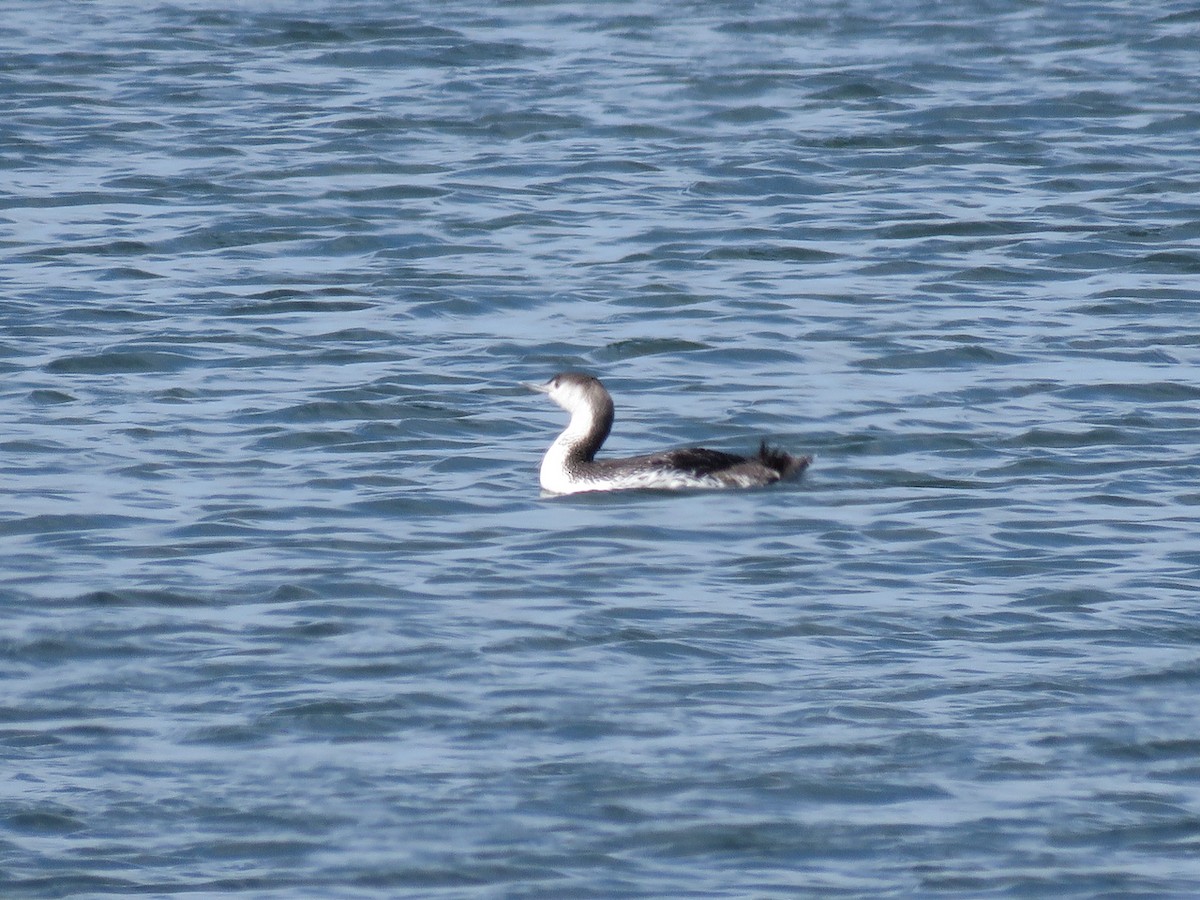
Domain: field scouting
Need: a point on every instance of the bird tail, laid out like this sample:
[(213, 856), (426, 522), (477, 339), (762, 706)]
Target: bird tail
[(785, 464)]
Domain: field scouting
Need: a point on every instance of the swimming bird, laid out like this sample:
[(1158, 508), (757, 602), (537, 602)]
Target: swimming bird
[(570, 465)]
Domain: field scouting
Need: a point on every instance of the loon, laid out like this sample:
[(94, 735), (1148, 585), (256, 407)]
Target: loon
[(570, 465)]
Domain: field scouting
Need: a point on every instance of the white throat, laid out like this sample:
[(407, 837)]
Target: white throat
[(556, 475)]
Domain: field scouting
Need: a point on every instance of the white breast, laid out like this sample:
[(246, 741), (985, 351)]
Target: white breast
[(557, 480)]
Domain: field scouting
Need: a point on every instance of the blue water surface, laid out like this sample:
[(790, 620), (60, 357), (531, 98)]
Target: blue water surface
[(282, 610)]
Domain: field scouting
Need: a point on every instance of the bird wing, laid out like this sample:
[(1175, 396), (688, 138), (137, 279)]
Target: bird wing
[(698, 461)]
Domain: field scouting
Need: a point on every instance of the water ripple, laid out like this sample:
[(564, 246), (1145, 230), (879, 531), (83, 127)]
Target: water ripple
[(283, 609)]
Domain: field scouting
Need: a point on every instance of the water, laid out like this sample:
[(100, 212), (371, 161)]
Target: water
[(283, 611)]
